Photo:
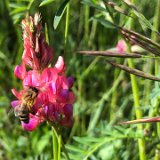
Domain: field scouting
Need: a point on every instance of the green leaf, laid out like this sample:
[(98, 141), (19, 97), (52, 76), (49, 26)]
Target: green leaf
[(143, 21), (74, 148), (18, 10), (140, 17), (45, 2), (43, 142), (94, 5), (59, 14), (104, 22), (87, 140)]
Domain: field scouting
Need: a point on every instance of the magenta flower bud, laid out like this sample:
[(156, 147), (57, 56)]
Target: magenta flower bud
[(70, 81), (60, 64), (20, 71), (63, 95), (37, 53), (121, 46), (68, 110)]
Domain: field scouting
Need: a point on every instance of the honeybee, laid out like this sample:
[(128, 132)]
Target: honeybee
[(26, 106)]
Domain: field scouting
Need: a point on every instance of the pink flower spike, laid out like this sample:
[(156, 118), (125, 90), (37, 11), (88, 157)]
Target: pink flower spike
[(37, 53), (33, 123), (60, 64), (20, 71), (121, 46)]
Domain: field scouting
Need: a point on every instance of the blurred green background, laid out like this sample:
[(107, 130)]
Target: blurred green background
[(103, 94)]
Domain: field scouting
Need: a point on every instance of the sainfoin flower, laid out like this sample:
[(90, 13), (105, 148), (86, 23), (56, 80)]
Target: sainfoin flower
[(121, 46), (54, 99)]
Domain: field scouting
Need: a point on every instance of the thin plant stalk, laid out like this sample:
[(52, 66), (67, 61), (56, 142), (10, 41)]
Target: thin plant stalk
[(114, 96), (59, 146), (156, 24), (86, 25), (66, 27), (135, 91), (55, 144)]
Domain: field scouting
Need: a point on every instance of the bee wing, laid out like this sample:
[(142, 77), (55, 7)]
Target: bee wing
[(11, 110), (16, 110)]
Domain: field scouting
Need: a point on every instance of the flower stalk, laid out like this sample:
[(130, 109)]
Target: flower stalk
[(57, 141), (156, 24), (135, 91), (66, 27)]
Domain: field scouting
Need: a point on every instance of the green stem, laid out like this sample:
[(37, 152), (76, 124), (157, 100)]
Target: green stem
[(58, 143), (135, 91), (66, 27), (156, 25), (86, 29), (154, 37), (55, 144), (59, 146), (114, 96)]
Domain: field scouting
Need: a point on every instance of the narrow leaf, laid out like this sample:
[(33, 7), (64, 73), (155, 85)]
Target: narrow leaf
[(118, 9), (18, 10), (59, 14), (106, 23), (94, 5), (45, 2), (141, 40), (111, 54), (139, 16), (134, 71), (143, 120)]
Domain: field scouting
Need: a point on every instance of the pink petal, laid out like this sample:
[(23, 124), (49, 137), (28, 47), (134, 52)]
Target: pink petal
[(20, 71), (17, 94), (49, 74), (121, 46), (32, 79), (50, 112), (15, 103), (52, 88), (63, 95), (32, 125), (47, 53), (60, 64), (62, 83), (71, 98), (26, 57), (67, 122), (68, 110)]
